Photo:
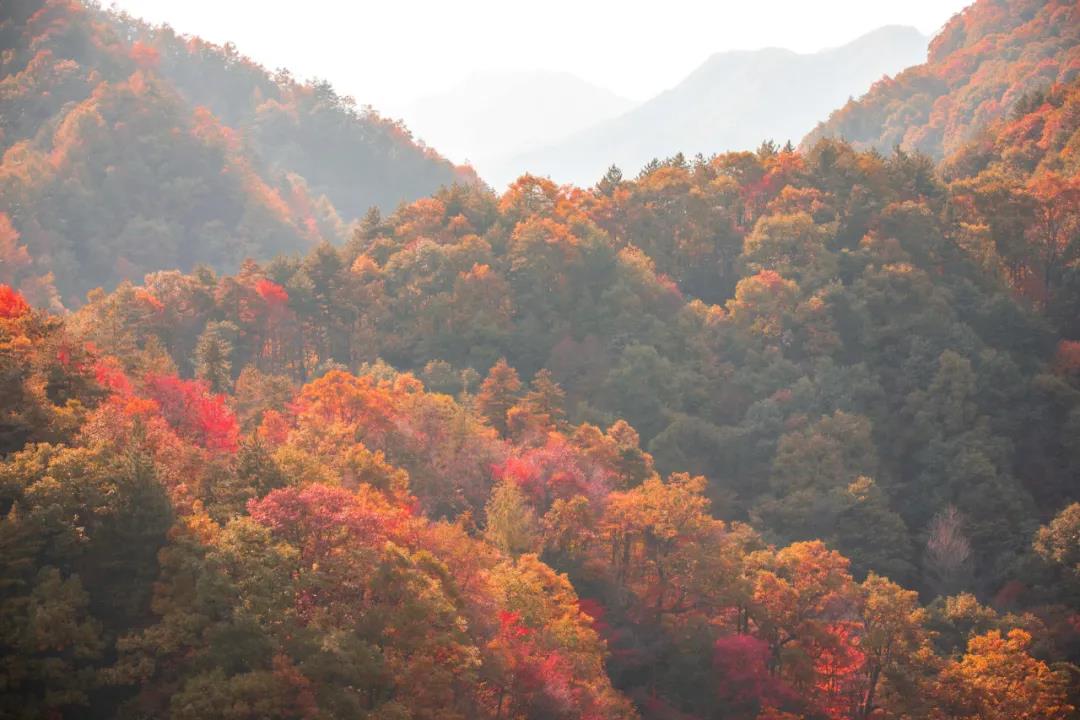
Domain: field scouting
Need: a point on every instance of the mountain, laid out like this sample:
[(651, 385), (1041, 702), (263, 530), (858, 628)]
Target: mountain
[(128, 149), (985, 60), (732, 102), (790, 433), (490, 118), (731, 408)]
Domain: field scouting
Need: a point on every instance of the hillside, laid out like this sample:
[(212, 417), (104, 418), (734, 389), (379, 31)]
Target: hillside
[(783, 434), (128, 149), (334, 468), (491, 118), (1016, 186), (732, 102), (984, 61)]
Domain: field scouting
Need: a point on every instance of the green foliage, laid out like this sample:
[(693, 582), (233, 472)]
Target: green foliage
[(511, 524), (213, 353)]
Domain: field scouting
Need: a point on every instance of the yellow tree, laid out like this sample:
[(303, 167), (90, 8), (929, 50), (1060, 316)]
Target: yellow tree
[(997, 679), (893, 640), (803, 597)]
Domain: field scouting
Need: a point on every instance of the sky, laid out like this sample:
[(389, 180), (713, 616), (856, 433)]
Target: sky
[(390, 53)]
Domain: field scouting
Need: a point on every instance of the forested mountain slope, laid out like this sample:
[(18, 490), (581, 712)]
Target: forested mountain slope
[(365, 546), (738, 312), (128, 149), (773, 435), (1017, 197), (985, 60)]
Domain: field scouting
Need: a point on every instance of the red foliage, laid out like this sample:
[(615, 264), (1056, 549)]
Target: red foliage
[(1009, 595), (741, 663), (510, 625), (542, 679), (783, 395), (555, 470), (194, 412), (525, 474), (837, 667), (596, 612), (12, 304), (110, 375), (770, 279), (272, 293), (150, 300), (320, 519), (302, 695)]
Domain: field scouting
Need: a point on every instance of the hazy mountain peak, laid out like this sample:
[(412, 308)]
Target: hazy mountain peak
[(732, 101), (490, 115), (887, 33)]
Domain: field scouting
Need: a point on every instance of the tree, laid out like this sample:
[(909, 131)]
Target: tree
[(15, 260), (213, 356), (50, 644), (998, 680), (893, 641), (1056, 227), (540, 410), (511, 523), (79, 539), (822, 487), (948, 561), (831, 452), (498, 393), (763, 304), (658, 540), (791, 245), (1059, 541), (796, 595), (1058, 544), (610, 182), (195, 412), (257, 392)]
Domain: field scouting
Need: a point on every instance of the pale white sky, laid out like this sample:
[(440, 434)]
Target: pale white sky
[(389, 53)]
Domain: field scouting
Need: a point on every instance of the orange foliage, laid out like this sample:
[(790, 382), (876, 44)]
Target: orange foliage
[(145, 56), (12, 304), (271, 292)]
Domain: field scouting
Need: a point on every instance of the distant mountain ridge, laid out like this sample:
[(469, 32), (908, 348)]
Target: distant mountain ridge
[(731, 102), (489, 118)]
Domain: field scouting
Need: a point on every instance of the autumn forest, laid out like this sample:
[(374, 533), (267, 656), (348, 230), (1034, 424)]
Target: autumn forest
[(300, 419)]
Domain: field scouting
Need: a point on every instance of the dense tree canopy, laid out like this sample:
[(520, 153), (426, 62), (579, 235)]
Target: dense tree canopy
[(865, 394), (361, 546), (783, 434)]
